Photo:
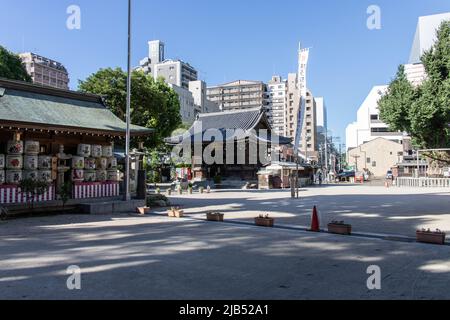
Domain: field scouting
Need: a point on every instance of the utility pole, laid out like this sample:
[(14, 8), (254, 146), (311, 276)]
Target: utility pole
[(356, 157)]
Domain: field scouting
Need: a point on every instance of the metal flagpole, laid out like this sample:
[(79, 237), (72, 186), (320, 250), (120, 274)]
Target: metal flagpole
[(127, 196)]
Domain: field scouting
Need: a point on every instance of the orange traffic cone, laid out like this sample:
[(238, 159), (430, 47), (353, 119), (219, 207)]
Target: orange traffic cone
[(315, 224)]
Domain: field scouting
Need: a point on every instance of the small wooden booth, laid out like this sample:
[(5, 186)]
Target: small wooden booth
[(62, 137)]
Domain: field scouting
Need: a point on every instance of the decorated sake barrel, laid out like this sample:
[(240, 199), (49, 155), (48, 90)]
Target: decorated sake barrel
[(107, 151), (31, 147), (90, 163), (14, 162), (45, 162), (30, 162), (45, 175), (102, 163), (13, 176), (113, 175), (77, 175), (112, 163), (84, 150), (15, 147), (102, 175), (31, 174), (2, 161), (2, 177), (77, 162), (96, 151), (90, 176)]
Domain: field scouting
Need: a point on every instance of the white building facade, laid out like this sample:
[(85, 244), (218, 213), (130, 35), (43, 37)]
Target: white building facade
[(368, 125), (180, 76), (277, 89), (424, 39)]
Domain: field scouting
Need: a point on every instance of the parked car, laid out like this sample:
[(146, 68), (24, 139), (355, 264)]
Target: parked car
[(346, 175), (390, 175)]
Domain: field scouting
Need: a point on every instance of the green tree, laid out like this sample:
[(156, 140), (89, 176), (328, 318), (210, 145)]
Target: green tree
[(394, 106), (11, 66), (153, 104), (423, 112)]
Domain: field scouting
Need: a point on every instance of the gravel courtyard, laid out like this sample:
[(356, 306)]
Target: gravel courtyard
[(370, 209), (154, 257)]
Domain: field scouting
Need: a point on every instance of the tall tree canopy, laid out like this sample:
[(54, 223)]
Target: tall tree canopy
[(11, 67), (423, 111), (153, 103)]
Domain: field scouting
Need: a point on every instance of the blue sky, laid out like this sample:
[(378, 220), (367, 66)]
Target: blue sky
[(232, 39)]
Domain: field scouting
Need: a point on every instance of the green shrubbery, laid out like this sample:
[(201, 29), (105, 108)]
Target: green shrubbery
[(157, 200)]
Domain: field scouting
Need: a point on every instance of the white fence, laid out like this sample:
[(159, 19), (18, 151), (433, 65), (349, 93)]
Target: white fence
[(423, 182)]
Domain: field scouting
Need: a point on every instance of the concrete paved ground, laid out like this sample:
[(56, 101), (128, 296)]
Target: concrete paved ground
[(152, 257), (370, 209)]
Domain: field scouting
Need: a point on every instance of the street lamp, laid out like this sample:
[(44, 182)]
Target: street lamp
[(127, 196)]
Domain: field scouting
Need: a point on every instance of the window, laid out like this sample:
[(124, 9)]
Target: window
[(375, 130), (374, 117), (368, 160), (374, 164)]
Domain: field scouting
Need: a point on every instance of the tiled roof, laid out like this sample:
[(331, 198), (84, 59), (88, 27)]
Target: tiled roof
[(245, 120), (62, 109)]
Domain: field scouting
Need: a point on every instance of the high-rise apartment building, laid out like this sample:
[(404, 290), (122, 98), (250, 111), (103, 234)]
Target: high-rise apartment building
[(321, 121), (198, 90), (240, 94), (45, 71), (181, 77), (308, 142), (293, 103), (277, 89), (175, 72)]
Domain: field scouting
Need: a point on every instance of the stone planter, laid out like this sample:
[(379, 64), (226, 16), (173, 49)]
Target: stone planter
[(431, 237), (143, 210), (340, 228), (175, 213), (265, 222), (215, 216)]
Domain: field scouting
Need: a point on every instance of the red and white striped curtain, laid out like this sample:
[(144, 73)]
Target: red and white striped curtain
[(95, 190), (10, 194)]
